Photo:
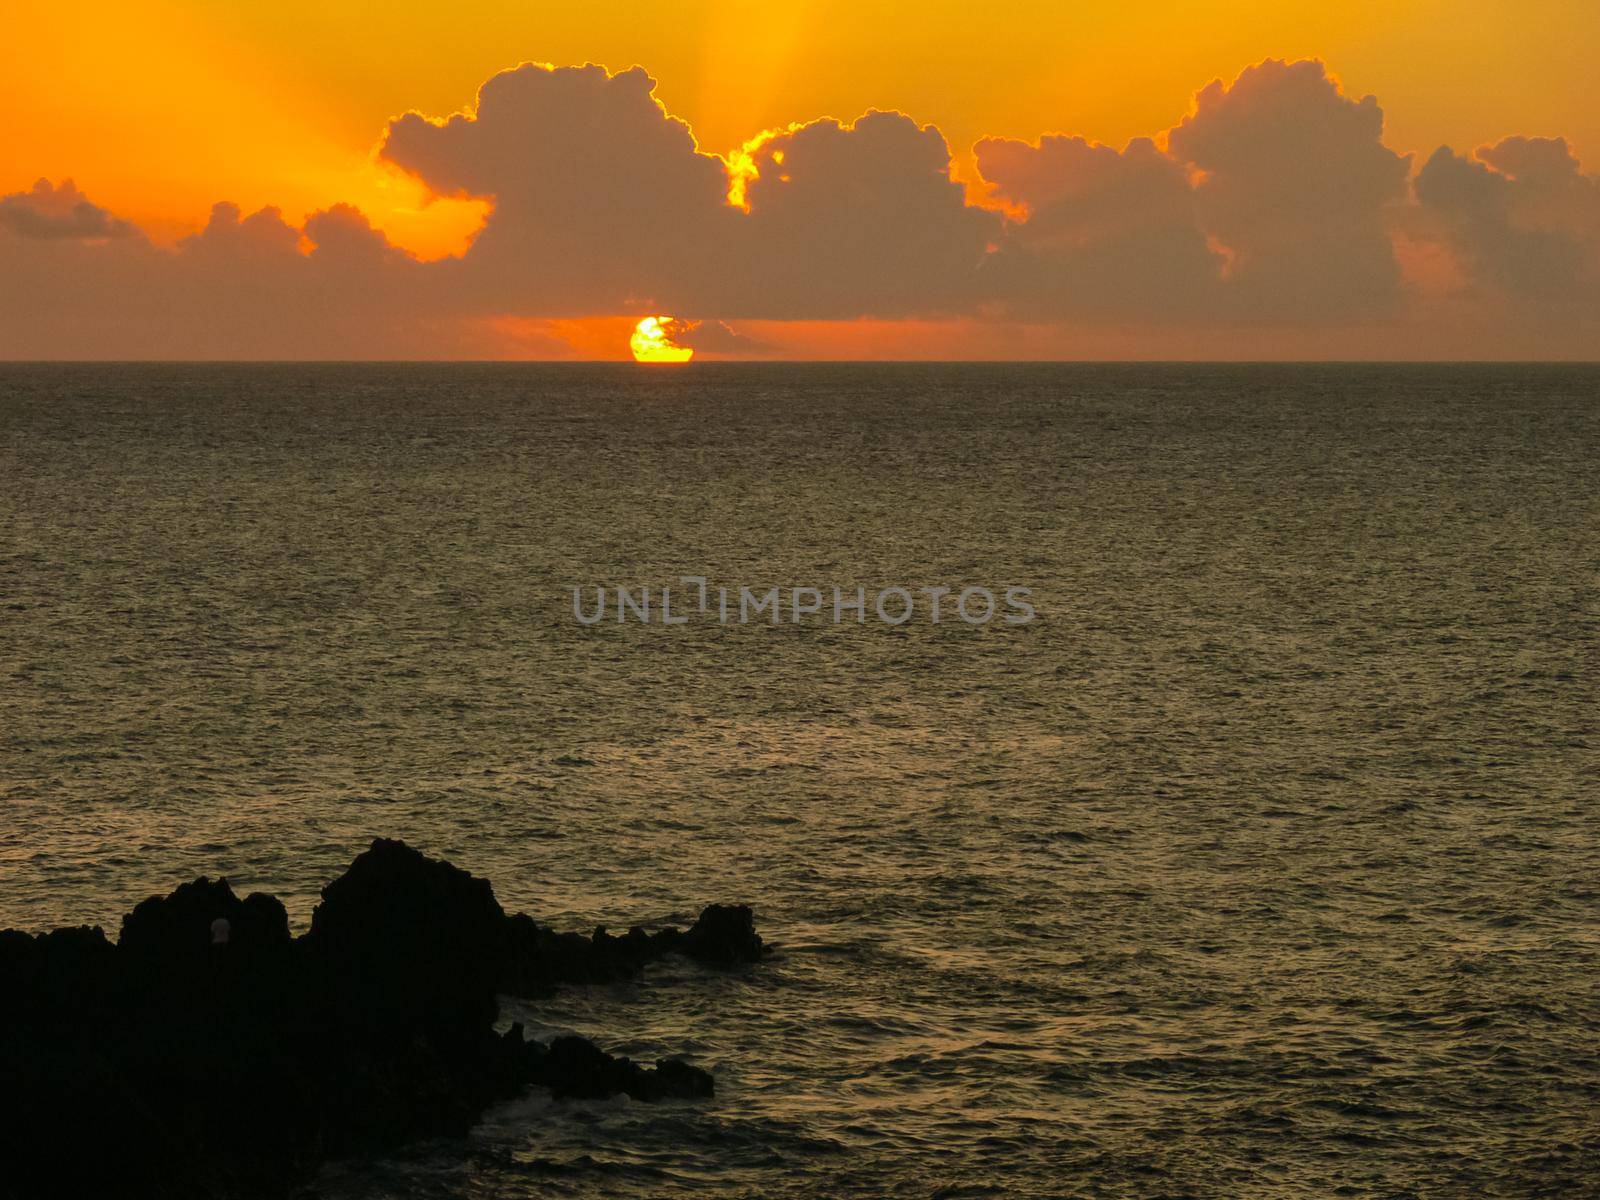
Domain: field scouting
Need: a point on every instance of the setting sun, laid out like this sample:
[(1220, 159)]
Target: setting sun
[(652, 342), (1108, 443)]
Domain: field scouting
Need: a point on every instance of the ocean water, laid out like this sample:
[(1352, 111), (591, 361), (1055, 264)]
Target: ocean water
[(1265, 862)]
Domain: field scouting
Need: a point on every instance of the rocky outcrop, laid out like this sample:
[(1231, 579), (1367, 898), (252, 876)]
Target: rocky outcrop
[(180, 929), (537, 958), (209, 1053)]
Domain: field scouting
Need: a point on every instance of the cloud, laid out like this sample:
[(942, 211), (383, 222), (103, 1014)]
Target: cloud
[(856, 220), (1296, 186), (245, 286), (602, 201), (1522, 215), (59, 212), (1270, 215), (1271, 204), (1100, 231), (715, 337)]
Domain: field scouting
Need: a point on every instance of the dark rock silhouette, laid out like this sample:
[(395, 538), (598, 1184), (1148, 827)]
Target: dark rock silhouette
[(209, 1053), (177, 929), (538, 958), (409, 943)]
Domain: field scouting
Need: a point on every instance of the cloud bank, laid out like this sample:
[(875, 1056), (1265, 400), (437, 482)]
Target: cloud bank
[(58, 212), (1272, 218)]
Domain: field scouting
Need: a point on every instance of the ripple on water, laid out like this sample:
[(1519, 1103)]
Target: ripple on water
[(1262, 865)]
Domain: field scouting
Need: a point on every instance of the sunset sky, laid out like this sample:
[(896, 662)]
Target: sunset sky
[(1283, 223)]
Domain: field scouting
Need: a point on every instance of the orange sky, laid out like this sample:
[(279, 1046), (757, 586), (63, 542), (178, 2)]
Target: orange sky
[(160, 109), (1284, 219)]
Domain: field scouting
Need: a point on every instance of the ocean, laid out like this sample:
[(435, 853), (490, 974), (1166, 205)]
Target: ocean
[(1264, 861)]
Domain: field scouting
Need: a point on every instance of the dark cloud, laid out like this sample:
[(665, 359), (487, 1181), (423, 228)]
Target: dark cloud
[(246, 286), (857, 220), (1271, 204), (715, 337), (602, 202), (1296, 187), (1522, 216), (1100, 231), (1273, 211), (59, 212)]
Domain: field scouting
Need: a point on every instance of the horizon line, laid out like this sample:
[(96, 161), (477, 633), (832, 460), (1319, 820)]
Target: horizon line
[(669, 368)]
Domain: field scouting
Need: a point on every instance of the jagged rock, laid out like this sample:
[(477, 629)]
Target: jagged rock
[(538, 958), (725, 934), (58, 979), (572, 1066), (409, 940), (177, 929), (209, 1054)]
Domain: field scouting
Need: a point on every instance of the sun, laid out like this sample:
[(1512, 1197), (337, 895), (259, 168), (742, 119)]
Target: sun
[(652, 342)]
